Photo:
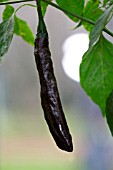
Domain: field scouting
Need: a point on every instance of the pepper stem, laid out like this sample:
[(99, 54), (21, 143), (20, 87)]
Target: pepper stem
[(41, 29)]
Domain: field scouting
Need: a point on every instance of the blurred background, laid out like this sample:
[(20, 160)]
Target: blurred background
[(25, 141)]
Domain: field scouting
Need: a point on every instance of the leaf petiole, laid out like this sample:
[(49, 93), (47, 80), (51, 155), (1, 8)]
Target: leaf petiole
[(23, 6)]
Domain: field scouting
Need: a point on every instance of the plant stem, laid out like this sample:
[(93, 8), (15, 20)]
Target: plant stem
[(14, 2), (24, 5), (39, 9), (41, 29), (60, 8)]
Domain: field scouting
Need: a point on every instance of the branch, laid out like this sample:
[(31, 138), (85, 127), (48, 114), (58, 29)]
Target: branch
[(60, 8), (14, 2)]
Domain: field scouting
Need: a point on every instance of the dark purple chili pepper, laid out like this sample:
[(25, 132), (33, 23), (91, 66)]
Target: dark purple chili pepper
[(50, 99)]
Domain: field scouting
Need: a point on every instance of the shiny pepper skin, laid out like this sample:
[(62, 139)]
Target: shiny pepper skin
[(50, 99)]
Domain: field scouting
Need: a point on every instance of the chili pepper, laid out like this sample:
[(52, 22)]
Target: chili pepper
[(50, 99)]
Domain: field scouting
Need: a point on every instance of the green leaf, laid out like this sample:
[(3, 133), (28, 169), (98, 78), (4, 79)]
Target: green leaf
[(100, 24), (75, 6), (44, 7), (109, 111), (105, 2), (22, 29), (8, 12), (96, 72), (6, 34), (92, 12)]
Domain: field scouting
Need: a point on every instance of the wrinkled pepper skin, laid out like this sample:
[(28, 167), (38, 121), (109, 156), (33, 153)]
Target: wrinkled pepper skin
[(50, 99)]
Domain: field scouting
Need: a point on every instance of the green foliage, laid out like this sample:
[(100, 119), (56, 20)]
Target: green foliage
[(75, 6), (92, 12), (22, 29), (96, 72), (7, 13), (105, 1), (6, 35), (109, 111), (44, 7), (100, 24)]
